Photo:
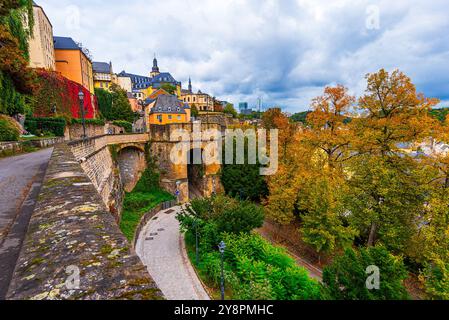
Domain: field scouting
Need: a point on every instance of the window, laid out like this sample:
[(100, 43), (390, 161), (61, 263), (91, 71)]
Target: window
[(169, 108), (159, 117), (194, 99), (169, 117), (179, 117)]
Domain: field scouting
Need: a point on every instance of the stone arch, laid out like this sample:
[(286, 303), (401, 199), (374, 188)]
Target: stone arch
[(132, 163)]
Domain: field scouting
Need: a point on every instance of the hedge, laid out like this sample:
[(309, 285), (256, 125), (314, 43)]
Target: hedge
[(96, 122), (39, 126)]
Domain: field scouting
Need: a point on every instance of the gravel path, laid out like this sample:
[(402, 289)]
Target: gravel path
[(161, 248)]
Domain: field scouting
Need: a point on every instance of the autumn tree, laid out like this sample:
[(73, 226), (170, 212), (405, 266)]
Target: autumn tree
[(275, 119), (386, 182), (329, 133)]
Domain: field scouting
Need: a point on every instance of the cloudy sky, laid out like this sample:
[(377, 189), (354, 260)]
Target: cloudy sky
[(284, 51)]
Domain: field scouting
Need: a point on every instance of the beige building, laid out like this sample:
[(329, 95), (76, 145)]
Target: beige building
[(202, 101), (125, 83), (42, 53)]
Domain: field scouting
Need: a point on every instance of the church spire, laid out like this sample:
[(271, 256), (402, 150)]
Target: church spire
[(190, 85), (155, 69)]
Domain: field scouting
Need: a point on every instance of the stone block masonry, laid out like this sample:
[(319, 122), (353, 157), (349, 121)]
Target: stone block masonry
[(96, 160), (71, 230)]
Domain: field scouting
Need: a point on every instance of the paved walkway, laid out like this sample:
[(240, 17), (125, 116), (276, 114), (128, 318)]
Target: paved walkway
[(20, 181), (161, 248)]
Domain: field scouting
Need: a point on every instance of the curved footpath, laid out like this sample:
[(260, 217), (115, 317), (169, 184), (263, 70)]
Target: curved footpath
[(161, 248)]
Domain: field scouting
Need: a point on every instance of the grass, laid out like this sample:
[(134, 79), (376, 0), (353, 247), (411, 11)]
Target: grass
[(136, 205)]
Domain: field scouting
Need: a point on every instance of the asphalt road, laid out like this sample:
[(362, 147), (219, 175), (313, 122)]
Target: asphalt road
[(20, 181), (161, 248)]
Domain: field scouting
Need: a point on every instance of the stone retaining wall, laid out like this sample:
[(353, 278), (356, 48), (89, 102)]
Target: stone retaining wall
[(71, 230), (17, 146)]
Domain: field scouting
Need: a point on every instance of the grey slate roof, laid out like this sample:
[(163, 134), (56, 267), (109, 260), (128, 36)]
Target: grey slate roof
[(101, 67), (168, 104), (65, 43)]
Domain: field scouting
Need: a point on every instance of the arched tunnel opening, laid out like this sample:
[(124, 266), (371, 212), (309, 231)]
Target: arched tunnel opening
[(132, 164), (196, 171)]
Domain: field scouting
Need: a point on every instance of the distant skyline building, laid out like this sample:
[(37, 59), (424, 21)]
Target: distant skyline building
[(244, 109)]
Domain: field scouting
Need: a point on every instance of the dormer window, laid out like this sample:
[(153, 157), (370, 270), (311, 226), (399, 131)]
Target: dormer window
[(169, 108), (179, 109)]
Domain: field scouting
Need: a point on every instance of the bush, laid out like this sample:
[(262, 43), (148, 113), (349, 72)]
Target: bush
[(8, 132), (227, 214), (38, 126), (345, 278), (128, 126), (243, 217)]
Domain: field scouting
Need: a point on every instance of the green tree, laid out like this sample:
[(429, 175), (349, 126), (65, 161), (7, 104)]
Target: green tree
[(346, 278), (300, 117), (243, 180), (324, 224), (194, 111), (114, 105), (171, 89), (385, 197), (229, 109)]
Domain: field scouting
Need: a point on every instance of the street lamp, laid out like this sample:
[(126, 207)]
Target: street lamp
[(222, 247), (81, 98)]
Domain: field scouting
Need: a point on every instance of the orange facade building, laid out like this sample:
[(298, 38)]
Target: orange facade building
[(167, 109), (73, 63)]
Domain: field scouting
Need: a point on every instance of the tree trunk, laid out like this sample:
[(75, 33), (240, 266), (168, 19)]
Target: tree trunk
[(372, 234)]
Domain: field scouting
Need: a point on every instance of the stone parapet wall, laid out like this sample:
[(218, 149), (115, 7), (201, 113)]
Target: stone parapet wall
[(84, 148), (11, 147), (71, 230)]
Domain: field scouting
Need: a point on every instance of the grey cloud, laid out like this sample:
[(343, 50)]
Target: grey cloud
[(283, 51)]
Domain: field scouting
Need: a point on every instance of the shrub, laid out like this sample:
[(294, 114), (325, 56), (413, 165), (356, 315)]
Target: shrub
[(227, 214), (345, 278), (8, 132), (38, 126), (241, 218)]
